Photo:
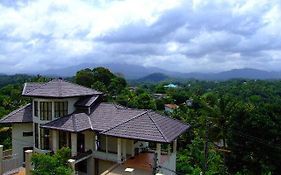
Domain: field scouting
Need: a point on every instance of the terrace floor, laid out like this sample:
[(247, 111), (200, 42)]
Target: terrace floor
[(142, 164)]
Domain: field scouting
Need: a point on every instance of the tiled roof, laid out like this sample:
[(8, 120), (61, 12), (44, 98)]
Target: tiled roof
[(171, 106), (72, 123), (21, 115), (149, 126), (87, 101), (57, 88), (107, 115), (115, 120)]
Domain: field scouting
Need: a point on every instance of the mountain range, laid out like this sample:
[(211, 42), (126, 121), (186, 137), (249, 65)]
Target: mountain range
[(142, 73)]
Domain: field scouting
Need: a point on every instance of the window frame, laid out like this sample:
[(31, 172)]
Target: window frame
[(46, 110), (60, 108)]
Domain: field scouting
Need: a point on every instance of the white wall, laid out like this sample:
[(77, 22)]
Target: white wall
[(71, 109), (18, 141)]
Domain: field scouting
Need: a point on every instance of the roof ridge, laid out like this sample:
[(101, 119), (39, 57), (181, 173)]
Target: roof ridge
[(125, 121), (73, 122), (158, 128), (90, 122), (15, 111), (43, 84), (82, 86)]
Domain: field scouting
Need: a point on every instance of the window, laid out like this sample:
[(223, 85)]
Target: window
[(36, 134), (36, 108), (64, 139), (27, 133), (44, 139), (61, 108), (45, 110)]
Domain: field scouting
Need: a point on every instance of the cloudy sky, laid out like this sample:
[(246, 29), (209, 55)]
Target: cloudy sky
[(177, 35)]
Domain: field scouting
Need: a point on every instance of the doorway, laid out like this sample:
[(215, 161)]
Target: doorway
[(80, 143)]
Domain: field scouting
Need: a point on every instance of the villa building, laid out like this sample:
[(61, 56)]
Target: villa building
[(105, 138)]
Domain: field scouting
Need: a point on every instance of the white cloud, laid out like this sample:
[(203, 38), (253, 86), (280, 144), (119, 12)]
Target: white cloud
[(181, 35)]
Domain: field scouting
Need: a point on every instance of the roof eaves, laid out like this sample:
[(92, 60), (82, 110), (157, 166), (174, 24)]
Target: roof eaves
[(14, 112), (24, 87)]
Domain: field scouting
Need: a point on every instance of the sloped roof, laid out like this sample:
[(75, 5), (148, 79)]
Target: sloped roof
[(107, 115), (114, 120), (57, 88), (149, 126), (87, 101), (72, 123), (21, 115)]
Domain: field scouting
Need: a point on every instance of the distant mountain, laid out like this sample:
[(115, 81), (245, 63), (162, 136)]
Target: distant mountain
[(128, 70), (140, 73), (154, 78), (246, 73)]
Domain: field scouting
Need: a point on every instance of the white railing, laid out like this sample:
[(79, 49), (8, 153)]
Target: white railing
[(105, 156), (10, 162)]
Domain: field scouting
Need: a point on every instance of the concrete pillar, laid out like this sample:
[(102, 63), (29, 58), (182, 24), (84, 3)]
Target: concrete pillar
[(89, 140), (1, 159), (28, 165), (133, 148), (71, 162), (124, 151), (175, 146), (73, 144), (96, 138), (55, 138), (119, 150), (106, 144), (90, 166), (158, 151)]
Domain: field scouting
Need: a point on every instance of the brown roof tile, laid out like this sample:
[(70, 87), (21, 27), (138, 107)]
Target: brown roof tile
[(72, 123), (21, 115), (149, 126), (57, 88), (114, 120)]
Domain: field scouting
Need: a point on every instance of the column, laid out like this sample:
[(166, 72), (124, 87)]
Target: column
[(55, 138), (73, 144), (119, 150), (1, 158), (89, 140), (133, 148), (124, 151), (106, 144), (28, 166), (90, 166), (175, 146), (71, 162), (158, 151)]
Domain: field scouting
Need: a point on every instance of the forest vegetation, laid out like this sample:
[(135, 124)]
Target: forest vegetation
[(235, 124)]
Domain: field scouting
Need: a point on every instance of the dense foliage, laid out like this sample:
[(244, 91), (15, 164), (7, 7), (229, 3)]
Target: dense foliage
[(47, 164), (235, 124)]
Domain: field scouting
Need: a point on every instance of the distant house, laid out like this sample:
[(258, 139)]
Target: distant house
[(189, 102), (171, 85), (103, 137), (170, 107), (159, 96)]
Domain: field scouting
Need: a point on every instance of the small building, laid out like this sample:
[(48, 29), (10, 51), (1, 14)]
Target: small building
[(171, 85), (102, 136), (170, 107), (159, 96)]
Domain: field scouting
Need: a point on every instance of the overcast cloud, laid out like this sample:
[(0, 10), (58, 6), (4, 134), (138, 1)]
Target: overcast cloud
[(183, 35)]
